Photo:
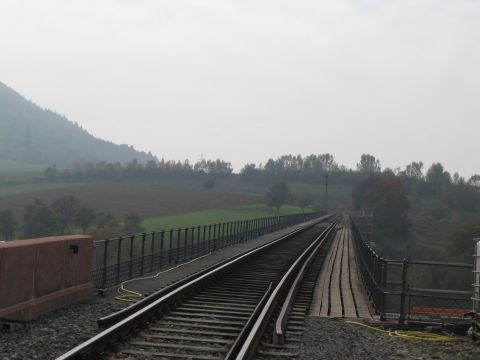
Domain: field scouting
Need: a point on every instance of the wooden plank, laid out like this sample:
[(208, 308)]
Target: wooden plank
[(357, 286), (321, 281), (335, 296), (349, 310), (326, 289)]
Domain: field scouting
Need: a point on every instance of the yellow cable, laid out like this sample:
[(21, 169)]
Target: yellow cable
[(130, 295), (410, 335)]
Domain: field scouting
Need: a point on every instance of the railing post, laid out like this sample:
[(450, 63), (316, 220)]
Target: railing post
[(162, 235), (179, 235), (403, 295), (204, 239), (152, 251), (198, 240), (144, 235), (383, 315), (223, 235), (214, 237), (119, 257), (130, 255), (185, 243), (170, 247), (105, 262), (210, 238)]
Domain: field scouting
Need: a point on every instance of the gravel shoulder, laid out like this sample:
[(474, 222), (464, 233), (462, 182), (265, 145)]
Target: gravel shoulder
[(55, 333), (334, 339)]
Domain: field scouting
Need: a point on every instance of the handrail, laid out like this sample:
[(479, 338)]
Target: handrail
[(111, 319), (281, 323), (255, 336), (123, 327)]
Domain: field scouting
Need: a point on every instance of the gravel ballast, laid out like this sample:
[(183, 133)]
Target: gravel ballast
[(335, 339), (55, 333)]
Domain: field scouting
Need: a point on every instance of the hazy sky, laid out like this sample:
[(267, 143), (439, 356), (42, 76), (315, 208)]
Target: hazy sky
[(248, 80)]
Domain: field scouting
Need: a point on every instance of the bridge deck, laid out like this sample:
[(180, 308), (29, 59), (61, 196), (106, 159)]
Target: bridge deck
[(339, 291)]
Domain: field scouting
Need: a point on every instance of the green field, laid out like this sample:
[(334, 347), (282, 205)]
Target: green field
[(215, 216), (7, 190)]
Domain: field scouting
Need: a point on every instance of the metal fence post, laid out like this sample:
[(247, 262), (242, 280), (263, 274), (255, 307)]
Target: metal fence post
[(160, 263), (384, 290), (170, 244), (198, 240), (105, 262), (119, 258), (214, 237), (152, 251), (403, 295), (130, 256), (144, 235)]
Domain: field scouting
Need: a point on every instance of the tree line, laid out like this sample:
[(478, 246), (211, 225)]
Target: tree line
[(137, 171), (66, 215)]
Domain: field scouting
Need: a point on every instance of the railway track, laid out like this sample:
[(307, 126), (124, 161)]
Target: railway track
[(221, 313)]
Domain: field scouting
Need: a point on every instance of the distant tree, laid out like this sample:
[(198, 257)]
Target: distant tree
[(440, 182), (461, 243), (474, 180), (40, 220), (386, 197), (249, 172), (51, 173), (132, 223), (8, 224), (66, 208), (106, 219), (369, 164), (414, 170), (209, 184), (106, 226), (277, 195), (151, 168), (327, 162), (84, 218)]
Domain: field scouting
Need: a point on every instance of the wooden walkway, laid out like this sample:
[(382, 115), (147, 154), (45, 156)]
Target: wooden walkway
[(339, 290)]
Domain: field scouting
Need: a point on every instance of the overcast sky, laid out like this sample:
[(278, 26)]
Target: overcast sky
[(248, 80)]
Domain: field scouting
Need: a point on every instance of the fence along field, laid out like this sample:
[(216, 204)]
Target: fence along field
[(123, 258)]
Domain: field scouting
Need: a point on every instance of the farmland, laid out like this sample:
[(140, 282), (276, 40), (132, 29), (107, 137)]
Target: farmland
[(34, 188), (120, 198), (213, 216)]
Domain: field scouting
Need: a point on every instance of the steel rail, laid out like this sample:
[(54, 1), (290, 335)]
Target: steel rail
[(114, 318), (149, 309), (281, 323), (250, 345), (248, 326)]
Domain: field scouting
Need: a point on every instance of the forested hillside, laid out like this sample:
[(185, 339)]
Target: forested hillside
[(31, 134)]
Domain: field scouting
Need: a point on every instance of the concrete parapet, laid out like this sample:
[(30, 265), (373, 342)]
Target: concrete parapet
[(40, 275)]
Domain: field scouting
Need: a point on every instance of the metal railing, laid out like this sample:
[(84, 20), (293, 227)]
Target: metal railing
[(126, 257), (413, 289)]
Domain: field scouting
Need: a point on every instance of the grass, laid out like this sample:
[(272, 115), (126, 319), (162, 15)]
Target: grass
[(216, 216), (7, 190)]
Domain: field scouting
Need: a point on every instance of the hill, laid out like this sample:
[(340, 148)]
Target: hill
[(31, 134)]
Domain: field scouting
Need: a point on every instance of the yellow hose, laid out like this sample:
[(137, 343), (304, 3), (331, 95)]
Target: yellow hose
[(131, 296), (410, 335)]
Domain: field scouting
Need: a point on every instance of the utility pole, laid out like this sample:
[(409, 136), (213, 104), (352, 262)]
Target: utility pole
[(325, 204)]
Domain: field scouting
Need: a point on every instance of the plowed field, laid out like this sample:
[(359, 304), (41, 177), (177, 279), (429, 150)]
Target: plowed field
[(147, 200)]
